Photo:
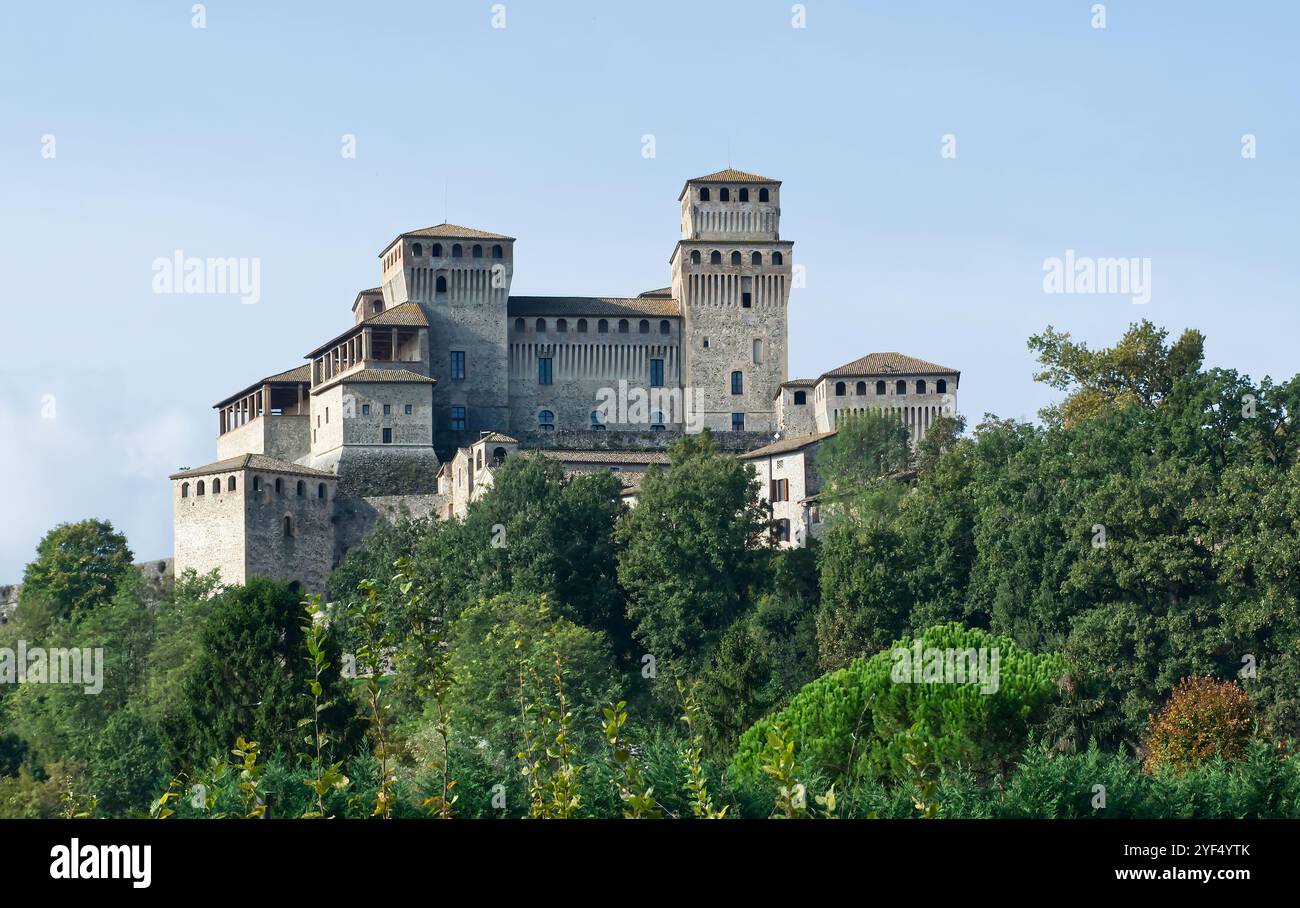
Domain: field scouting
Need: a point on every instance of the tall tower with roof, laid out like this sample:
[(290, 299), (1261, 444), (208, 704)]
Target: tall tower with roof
[(460, 277), (731, 274)]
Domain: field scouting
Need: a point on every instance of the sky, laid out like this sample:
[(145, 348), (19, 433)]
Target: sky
[(126, 133)]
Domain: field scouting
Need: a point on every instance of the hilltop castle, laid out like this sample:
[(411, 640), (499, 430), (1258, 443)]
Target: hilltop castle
[(443, 374)]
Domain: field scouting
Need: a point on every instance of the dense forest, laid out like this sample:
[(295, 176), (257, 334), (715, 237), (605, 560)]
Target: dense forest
[(1131, 561)]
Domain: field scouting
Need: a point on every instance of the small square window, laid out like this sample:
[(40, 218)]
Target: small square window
[(365, 409), (388, 436), (409, 410), (388, 410)]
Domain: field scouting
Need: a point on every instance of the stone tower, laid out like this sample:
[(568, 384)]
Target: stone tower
[(460, 277), (731, 273)]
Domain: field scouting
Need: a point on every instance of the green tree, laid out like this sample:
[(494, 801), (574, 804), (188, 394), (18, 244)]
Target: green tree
[(78, 566)]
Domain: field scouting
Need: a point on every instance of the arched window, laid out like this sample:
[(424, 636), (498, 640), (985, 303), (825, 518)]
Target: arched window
[(435, 251), (880, 388), (320, 490), (185, 490), (477, 251), (737, 382), (456, 251), (758, 351), (440, 286), (900, 387), (540, 325), (800, 398), (301, 489), (498, 456), (198, 489), (840, 389), (941, 386), (735, 258), (622, 326), (216, 486), (644, 327), (418, 249), (724, 194), (497, 251), (602, 326), (715, 257), (756, 259), (546, 421), (257, 483), (478, 459), (744, 195), (519, 324), (695, 257), (376, 307), (920, 386), (597, 421), (288, 525), (704, 193), (777, 258), (861, 388), (561, 325), (664, 327), (582, 326), (762, 195), (279, 486)]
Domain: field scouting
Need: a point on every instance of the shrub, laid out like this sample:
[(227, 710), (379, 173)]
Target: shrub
[(1204, 718)]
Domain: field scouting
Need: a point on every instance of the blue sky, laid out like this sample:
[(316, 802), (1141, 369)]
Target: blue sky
[(225, 141)]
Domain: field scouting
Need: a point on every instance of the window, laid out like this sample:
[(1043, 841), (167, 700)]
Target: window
[(185, 490), (408, 409), (388, 436), (457, 365), (519, 324), (860, 388), (582, 326), (498, 456), (441, 285), (230, 484), (777, 258), (744, 195), (199, 488), (840, 389), (544, 370), (435, 251), (365, 409), (758, 351), (724, 194), (597, 421), (302, 489), (456, 251), (800, 398), (781, 530), (216, 487), (546, 421), (561, 325), (880, 388), (664, 327), (657, 421), (735, 258), (941, 386), (695, 257), (602, 326), (477, 251), (320, 490), (706, 343), (737, 382), (900, 387), (497, 251), (644, 327), (622, 326), (715, 257), (756, 259), (257, 483), (656, 373), (288, 526), (762, 195), (458, 418), (419, 250), (780, 490), (279, 485), (704, 193), (388, 409), (920, 386), (376, 307), (738, 422), (478, 459), (746, 300), (540, 326)]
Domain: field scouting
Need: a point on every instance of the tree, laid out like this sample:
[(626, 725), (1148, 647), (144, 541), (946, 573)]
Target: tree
[(77, 566), (863, 449), (685, 563), (1204, 719)]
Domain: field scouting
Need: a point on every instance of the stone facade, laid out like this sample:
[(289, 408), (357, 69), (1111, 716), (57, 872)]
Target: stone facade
[(788, 485), (409, 410)]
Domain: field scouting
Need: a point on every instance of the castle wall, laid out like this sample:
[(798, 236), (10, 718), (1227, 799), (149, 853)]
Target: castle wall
[(797, 419), (917, 411), (302, 551), (209, 528), (285, 437)]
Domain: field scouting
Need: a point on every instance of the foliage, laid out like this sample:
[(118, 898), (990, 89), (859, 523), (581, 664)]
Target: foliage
[(77, 566), (1203, 720)]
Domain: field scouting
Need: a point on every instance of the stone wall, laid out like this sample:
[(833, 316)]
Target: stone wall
[(209, 528)]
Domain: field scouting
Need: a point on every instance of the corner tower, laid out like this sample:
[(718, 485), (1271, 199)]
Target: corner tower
[(460, 277), (731, 274)]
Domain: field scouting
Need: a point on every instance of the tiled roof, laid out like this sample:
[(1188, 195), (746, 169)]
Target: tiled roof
[(367, 376), (730, 175), (887, 364), (298, 374), (615, 457), (795, 383), (662, 291), (363, 293), (499, 438), (407, 315), (592, 305), (786, 445), (450, 231), (252, 462)]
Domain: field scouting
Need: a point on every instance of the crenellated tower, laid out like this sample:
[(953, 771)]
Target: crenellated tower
[(731, 273)]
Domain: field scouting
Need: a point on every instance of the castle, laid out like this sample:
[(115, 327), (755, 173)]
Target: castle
[(443, 375)]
